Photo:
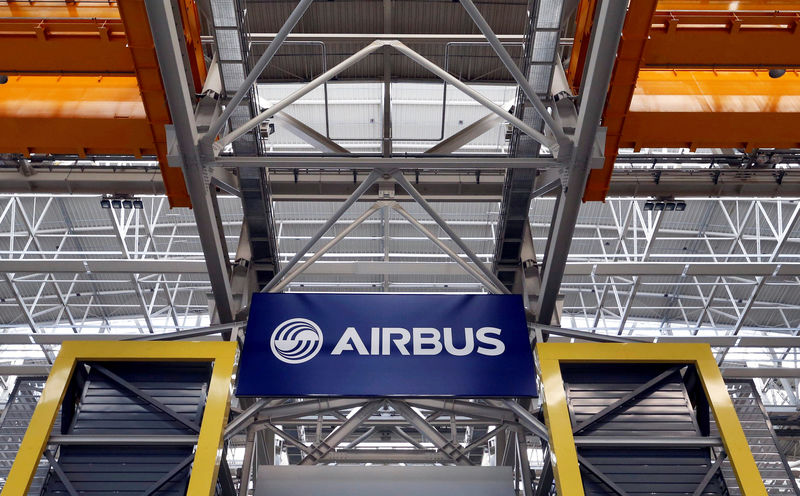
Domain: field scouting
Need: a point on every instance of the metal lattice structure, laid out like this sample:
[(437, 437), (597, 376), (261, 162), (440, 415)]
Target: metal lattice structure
[(406, 146)]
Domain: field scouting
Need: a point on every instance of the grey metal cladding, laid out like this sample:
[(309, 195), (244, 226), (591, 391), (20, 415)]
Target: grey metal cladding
[(107, 408), (664, 412)]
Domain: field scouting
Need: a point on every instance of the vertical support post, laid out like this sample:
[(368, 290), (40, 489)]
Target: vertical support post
[(603, 50), (386, 144), (176, 86), (247, 462), (524, 463)]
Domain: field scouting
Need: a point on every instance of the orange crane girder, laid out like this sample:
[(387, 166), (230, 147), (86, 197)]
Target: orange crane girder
[(707, 106), (49, 9), (76, 114), (635, 32), (713, 109), (140, 42), (697, 39), (74, 46), (73, 115)]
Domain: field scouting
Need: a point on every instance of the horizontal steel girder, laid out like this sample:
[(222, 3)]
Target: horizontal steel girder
[(139, 266), (448, 186)]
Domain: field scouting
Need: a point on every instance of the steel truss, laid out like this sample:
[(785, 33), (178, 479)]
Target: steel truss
[(720, 268)]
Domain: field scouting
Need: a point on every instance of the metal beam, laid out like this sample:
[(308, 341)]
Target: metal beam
[(386, 456), (319, 141), (475, 272), (167, 46), (527, 419), (325, 446), (407, 162), (516, 73), (219, 123), (299, 269), (548, 141), (466, 135), (466, 408), (437, 438), (602, 52), (406, 185), (335, 216)]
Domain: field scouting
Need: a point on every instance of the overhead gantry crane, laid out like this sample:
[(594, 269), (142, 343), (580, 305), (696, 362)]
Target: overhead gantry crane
[(698, 74), (82, 79)]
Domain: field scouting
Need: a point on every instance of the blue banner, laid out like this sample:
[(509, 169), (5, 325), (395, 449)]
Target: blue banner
[(302, 344)]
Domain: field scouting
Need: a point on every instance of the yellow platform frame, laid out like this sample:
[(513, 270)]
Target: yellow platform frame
[(208, 454), (562, 444)]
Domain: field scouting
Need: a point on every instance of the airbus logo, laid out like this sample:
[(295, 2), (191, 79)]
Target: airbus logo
[(296, 341), (299, 340)]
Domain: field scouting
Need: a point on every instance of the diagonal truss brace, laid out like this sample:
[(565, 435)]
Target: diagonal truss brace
[(360, 55), (443, 444), (322, 448)]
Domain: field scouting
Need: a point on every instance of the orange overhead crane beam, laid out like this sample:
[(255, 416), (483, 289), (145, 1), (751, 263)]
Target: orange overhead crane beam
[(84, 79), (713, 109), (78, 115), (718, 93)]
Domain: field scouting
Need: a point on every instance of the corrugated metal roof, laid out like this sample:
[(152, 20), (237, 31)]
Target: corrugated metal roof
[(301, 62)]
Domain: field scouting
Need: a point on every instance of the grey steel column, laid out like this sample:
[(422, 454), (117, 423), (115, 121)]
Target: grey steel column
[(603, 50), (524, 463), (218, 124), (247, 462), (173, 75)]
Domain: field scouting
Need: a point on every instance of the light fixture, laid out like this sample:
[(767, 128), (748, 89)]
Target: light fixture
[(680, 206), (138, 204), (659, 206), (649, 206), (669, 206), (105, 203), (116, 203)]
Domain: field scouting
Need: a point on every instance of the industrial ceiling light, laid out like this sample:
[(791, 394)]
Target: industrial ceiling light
[(127, 204), (138, 204), (669, 206), (680, 206), (649, 206), (659, 206), (116, 203), (105, 203)]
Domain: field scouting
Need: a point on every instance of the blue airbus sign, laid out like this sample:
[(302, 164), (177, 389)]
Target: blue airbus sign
[(301, 344)]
